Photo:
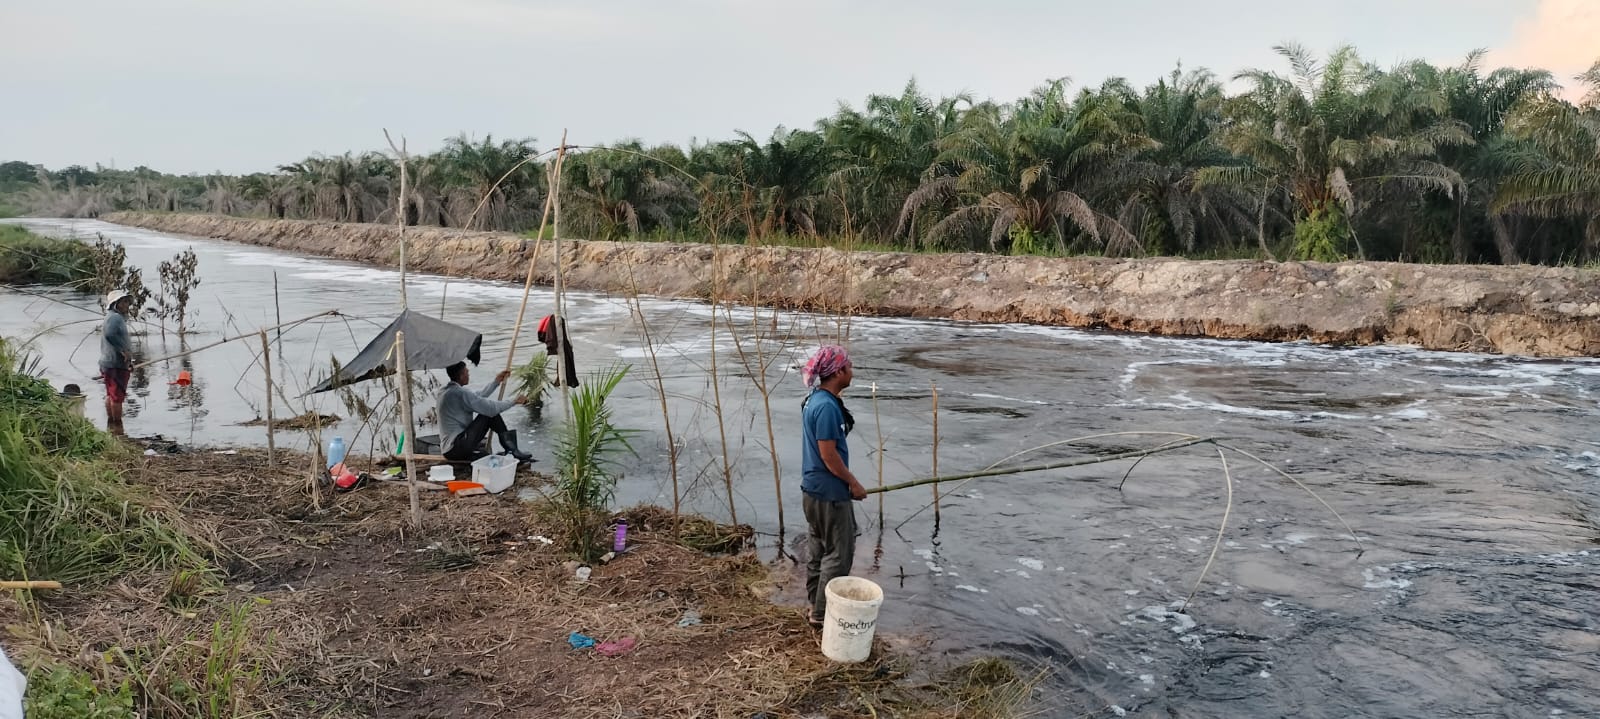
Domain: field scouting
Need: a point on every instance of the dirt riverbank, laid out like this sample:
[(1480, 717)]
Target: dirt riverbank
[(344, 611), (1524, 310)]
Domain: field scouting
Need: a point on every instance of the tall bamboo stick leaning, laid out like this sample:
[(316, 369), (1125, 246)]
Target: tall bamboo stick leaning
[(266, 367), (560, 320), (410, 428), (235, 338), (527, 289), (1097, 459)]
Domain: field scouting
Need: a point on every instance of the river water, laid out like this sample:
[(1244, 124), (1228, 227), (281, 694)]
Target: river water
[(1472, 481)]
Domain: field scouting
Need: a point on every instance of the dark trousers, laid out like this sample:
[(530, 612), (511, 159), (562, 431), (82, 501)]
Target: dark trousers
[(549, 340), (469, 444), (833, 547)]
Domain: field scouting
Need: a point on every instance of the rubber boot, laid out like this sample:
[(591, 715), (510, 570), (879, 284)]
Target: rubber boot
[(508, 442)]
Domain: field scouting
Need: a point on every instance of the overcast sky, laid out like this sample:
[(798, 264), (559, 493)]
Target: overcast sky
[(246, 85)]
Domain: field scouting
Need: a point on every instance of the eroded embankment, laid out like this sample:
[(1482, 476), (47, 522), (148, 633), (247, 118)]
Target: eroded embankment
[(1525, 310)]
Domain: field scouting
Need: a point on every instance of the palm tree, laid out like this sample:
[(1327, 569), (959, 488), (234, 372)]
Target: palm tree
[(1322, 133), (223, 195), (626, 190), (1181, 115), (1483, 102), (1023, 170), (1559, 175), (884, 151), (343, 188), (496, 176), (781, 178)]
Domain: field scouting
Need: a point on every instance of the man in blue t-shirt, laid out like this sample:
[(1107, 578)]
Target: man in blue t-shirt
[(827, 483)]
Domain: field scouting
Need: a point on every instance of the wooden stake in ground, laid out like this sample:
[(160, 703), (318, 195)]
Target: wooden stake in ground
[(400, 211), (266, 367), (408, 427), (877, 425), (560, 323), (935, 456)]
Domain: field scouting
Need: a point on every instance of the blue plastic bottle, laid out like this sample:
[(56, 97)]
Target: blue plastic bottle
[(335, 452)]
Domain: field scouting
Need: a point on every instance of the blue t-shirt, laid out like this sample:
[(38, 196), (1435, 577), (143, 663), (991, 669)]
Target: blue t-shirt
[(824, 420)]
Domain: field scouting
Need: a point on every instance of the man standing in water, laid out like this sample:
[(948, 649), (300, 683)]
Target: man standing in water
[(827, 483), (116, 357)]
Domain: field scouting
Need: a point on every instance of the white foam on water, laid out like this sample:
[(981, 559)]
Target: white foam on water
[(981, 395), (1412, 412), (1183, 401), (1028, 611), (1373, 582), (1031, 563), (1182, 623), (970, 588)]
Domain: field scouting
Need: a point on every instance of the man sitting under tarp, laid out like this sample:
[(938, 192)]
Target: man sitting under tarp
[(466, 418)]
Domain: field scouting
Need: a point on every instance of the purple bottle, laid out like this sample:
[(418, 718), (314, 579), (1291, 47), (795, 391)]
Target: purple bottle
[(621, 542)]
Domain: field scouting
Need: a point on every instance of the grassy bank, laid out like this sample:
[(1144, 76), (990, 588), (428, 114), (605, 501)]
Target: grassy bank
[(29, 259), (210, 585)]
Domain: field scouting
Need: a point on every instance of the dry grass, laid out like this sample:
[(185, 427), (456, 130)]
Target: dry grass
[(348, 613)]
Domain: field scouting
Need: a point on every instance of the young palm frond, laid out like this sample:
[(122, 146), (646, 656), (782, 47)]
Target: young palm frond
[(586, 456)]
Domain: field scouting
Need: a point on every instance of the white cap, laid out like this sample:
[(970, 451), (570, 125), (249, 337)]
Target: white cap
[(114, 297)]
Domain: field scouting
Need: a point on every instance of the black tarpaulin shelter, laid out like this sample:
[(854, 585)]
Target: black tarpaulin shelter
[(430, 344)]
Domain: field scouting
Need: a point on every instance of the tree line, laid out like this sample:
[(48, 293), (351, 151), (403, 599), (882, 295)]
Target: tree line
[(1328, 158)]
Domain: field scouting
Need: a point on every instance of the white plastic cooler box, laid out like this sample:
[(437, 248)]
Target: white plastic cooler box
[(495, 472)]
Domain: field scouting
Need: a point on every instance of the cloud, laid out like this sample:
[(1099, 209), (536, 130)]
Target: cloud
[(1562, 36)]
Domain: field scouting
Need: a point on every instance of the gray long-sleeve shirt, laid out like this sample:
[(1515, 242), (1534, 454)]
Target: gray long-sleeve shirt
[(115, 345), (458, 405)]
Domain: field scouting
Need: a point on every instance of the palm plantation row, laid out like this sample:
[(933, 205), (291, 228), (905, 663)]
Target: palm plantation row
[(1331, 158)]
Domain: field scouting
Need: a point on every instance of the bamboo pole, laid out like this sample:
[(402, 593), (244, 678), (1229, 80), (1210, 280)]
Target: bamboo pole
[(1042, 467), (30, 584), (935, 452), (400, 211), (277, 310), (877, 424), (560, 319), (318, 469), (527, 286), (226, 340), (266, 367), (410, 428)]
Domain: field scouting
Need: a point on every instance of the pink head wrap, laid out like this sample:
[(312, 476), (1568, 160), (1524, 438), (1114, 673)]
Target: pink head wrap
[(827, 362)]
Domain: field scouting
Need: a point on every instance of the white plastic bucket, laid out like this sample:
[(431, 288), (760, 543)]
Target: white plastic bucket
[(851, 619)]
